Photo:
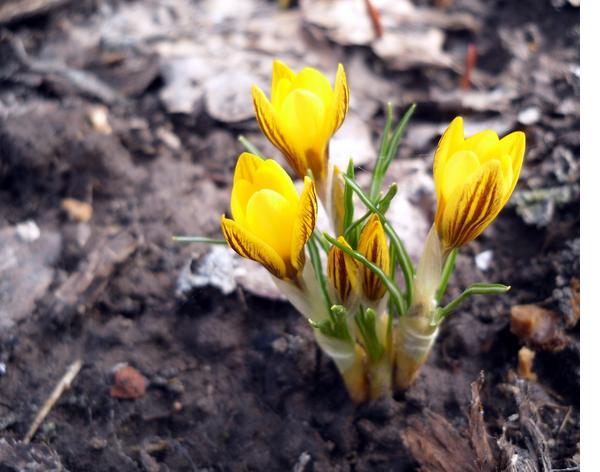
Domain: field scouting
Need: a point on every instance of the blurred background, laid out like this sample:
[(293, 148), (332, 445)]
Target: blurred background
[(118, 129)]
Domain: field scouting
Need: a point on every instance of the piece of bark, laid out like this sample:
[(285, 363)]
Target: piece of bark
[(477, 431), (437, 446)]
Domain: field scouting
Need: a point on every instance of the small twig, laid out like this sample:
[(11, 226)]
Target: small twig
[(61, 386), (465, 81), (564, 421), (375, 18)]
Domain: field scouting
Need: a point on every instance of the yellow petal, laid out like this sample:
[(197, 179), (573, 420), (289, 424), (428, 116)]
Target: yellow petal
[(337, 197), (458, 169), (250, 247), (372, 244), (240, 195), (270, 218), (338, 107), (270, 175), (449, 143), (281, 83), (314, 81), (269, 124), (513, 145), (304, 224), (342, 272), (302, 116), (246, 167), (481, 144), (302, 122), (469, 211)]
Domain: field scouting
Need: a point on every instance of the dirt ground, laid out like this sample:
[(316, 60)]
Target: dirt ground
[(118, 129)]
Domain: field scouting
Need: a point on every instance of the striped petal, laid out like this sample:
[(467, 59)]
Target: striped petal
[(268, 123), (304, 223), (469, 211), (372, 244), (342, 272), (250, 247), (338, 107)]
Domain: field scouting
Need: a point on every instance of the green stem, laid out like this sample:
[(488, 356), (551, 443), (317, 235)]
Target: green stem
[(446, 273), (251, 148), (315, 259)]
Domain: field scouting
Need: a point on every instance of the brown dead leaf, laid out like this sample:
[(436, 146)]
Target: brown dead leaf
[(128, 383), (537, 327)]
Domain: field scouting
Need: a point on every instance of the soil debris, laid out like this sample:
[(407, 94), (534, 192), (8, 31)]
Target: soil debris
[(537, 327)]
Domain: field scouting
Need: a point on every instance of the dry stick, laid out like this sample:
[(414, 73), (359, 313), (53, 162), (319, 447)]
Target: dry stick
[(61, 386), (375, 18), (471, 60)]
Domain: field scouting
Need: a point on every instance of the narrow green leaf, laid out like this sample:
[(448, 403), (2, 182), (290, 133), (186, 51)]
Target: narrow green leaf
[(378, 173), (249, 146), (446, 273), (315, 259), (197, 239), (475, 289), (348, 203), (397, 137)]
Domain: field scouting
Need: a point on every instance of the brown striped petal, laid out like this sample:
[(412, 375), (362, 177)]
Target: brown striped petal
[(250, 247)]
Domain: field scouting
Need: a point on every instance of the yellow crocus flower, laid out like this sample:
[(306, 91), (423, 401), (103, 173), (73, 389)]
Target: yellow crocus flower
[(474, 179), (372, 244), (271, 222), (343, 274), (302, 115)]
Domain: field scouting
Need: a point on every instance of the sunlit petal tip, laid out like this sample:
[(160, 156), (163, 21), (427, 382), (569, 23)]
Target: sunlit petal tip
[(250, 247), (246, 166), (305, 222), (281, 71)]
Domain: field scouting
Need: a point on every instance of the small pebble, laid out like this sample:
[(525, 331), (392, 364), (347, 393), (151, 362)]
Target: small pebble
[(28, 231), (484, 259), (529, 116)]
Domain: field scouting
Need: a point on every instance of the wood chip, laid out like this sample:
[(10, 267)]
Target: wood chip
[(77, 210)]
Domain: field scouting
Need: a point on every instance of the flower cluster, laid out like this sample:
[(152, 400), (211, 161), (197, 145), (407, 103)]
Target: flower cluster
[(372, 311)]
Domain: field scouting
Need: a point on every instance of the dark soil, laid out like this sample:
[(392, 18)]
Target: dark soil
[(234, 382)]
